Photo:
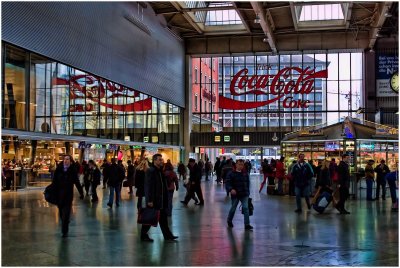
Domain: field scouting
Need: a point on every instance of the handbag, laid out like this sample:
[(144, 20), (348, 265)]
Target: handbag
[(125, 183), (148, 216), (50, 194)]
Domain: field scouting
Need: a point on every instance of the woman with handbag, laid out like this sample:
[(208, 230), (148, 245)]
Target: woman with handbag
[(64, 179)]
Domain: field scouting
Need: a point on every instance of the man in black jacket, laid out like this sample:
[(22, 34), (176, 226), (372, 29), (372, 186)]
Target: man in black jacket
[(194, 183), (381, 171), (64, 179), (238, 185), (116, 176), (344, 183), (156, 193), (302, 174)]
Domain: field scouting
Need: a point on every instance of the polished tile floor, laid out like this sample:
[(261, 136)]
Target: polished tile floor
[(99, 236)]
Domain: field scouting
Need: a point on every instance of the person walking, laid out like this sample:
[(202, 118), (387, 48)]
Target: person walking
[(290, 178), (302, 174), (333, 171), (139, 181), (265, 168), (116, 176), (226, 169), (369, 179), (182, 171), (324, 179), (105, 170), (94, 179), (172, 185), (194, 183), (86, 182), (65, 176), (280, 174), (238, 185), (130, 176), (343, 183), (217, 169), (381, 171), (156, 193), (207, 168)]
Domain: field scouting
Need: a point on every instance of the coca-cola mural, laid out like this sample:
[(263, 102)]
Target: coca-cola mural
[(92, 91), (277, 86)]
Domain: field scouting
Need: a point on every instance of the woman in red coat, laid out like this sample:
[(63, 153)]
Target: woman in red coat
[(280, 174)]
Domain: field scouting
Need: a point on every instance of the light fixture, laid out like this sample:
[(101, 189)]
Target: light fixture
[(257, 19), (388, 14), (378, 35), (265, 40), (371, 50), (275, 138)]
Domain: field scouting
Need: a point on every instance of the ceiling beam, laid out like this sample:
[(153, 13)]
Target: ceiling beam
[(382, 8), (246, 25), (187, 17), (294, 18), (258, 9), (348, 17)]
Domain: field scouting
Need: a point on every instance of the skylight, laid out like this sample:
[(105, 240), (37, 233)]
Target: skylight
[(222, 17), (321, 12)]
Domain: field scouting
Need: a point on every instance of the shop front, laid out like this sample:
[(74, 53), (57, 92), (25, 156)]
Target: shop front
[(362, 140)]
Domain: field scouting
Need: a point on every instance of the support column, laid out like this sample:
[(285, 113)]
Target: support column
[(187, 112)]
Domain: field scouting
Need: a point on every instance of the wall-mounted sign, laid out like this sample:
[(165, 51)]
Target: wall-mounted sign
[(311, 132), (246, 137), (202, 151), (332, 146), (387, 65), (146, 139), (274, 86), (367, 146), (227, 138), (217, 138), (196, 150), (127, 138), (154, 139)]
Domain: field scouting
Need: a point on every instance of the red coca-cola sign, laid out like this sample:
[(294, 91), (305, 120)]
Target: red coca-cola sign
[(274, 85)]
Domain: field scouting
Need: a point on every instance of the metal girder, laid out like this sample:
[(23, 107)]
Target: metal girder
[(258, 9), (187, 17), (348, 18), (293, 11), (382, 8), (246, 25)]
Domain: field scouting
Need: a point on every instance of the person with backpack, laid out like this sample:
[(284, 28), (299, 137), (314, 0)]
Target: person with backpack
[(302, 173), (238, 185), (172, 185)]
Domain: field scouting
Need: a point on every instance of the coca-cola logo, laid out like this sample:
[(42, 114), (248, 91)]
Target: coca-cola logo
[(274, 85), (97, 90)]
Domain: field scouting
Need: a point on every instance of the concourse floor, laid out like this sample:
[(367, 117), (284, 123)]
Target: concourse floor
[(99, 236)]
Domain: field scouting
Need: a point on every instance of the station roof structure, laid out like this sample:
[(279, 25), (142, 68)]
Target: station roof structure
[(270, 26)]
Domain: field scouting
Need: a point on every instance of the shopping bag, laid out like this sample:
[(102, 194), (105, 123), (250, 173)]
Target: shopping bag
[(148, 216), (50, 194)]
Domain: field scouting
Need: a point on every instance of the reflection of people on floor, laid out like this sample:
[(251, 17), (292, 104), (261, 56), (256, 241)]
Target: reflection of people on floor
[(393, 178)]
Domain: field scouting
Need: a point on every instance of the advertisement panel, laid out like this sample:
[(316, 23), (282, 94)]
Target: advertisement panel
[(386, 66)]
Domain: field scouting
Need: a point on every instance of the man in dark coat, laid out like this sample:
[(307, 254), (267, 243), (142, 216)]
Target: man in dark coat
[(238, 185), (381, 171), (194, 183), (156, 193), (94, 179), (344, 183), (302, 173), (64, 179), (116, 176), (217, 169), (130, 176)]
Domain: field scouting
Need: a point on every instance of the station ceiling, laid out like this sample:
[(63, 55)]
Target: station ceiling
[(238, 27)]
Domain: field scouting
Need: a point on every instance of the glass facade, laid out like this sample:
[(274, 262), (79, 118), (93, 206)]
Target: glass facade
[(283, 92), (41, 95)]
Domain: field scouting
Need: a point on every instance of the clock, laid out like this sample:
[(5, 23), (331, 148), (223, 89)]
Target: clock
[(394, 82)]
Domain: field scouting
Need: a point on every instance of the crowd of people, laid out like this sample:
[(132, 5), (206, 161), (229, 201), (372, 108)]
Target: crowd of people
[(156, 182)]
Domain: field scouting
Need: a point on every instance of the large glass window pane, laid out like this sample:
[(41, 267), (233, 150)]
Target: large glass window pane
[(13, 93)]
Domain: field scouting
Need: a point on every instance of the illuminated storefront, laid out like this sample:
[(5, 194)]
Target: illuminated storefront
[(55, 104)]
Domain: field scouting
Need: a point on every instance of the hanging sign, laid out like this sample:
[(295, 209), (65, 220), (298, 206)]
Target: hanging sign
[(246, 137), (227, 138), (217, 138), (145, 139)]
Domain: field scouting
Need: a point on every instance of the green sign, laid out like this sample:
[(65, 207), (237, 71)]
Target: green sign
[(146, 139), (227, 138)]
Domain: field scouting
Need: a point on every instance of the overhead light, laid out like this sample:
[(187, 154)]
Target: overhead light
[(265, 40), (378, 35), (257, 19), (371, 50), (388, 15)]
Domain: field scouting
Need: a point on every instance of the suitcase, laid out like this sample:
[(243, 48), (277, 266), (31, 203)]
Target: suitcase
[(322, 202)]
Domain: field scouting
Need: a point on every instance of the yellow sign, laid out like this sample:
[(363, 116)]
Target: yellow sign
[(154, 139), (217, 138), (246, 137)]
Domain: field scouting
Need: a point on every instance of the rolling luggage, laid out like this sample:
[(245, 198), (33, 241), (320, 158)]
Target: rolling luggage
[(322, 202)]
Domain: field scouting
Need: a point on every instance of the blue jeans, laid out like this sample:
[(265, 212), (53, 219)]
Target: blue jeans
[(370, 183), (392, 187), (303, 191), (245, 208), (117, 190)]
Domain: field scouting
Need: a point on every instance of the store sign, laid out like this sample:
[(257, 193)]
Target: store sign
[(145, 139), (112, 147), (217, 138), (84, 145), (274, 86), (154, 139), (88, 91), (202, 151), (385, 130), (127, 138), (246, 137), (387, 65), (311, 132), (367, 146), (332, 146), (227, 138)]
